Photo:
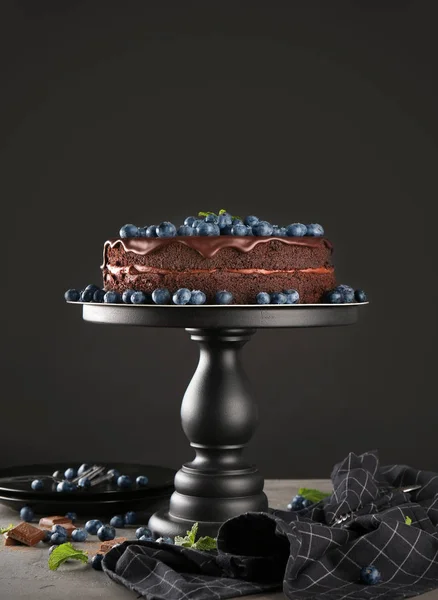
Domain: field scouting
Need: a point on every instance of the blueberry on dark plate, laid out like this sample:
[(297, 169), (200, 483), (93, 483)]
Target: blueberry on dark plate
[(189, 221), (346, 291), (296, 230), (151, 231), (37, 485), (72, 295), (93, 525), (207, 229), (84, 483), (262, 228), (292, 296), (239, 229), (263, 298), (70, 473), (112, 297), (130, 518), (128, 231), (370, 575), (117, 521), (360, 296), (114, 473), (314, 230), (166, 229), (64, 486), (224, 297), (185, 230), (161, 296), (142, 480), (333, 297), (126, 297), (26, 514), (251, 220), (79, 535), (197, 297), (138, 298), (143, 531), (84, 467), (72, 516), (58, 538), (98, 296), (96, 562), (182, 296), (87, 295), (278, 298), (124, 481)]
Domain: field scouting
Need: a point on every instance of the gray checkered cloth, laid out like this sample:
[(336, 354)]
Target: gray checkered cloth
[(305, 552)]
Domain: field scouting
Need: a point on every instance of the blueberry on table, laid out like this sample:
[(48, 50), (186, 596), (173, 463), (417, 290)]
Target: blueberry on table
[(360, 296), (143, 532), (26, 514), (70, 473), (37, 485), (112, 297), (166, 229), (87, 295), (251, 220), (59, 529), (189, 221), (72, 516), (129, 231), (161, 296), (224, 297), (142, 480), (263, 298), (197, 297), (98, 296), (117, 521), (96, 562), (106, 533), (151, 231), (58, 538), (130, 518), (72, 295), (334, 297), (315, 230), (239, 229), (114, 474), (370, 575), (47, 536), (262, 228), (79, 535), (51, 549), (207, 229), (138, 298), (185, 230), (84, 467), (93, 525), (126, 296), (124, 481), (84, 483), (182, 296), (296, 230), (346, 291), (292, 296), (278, 298)]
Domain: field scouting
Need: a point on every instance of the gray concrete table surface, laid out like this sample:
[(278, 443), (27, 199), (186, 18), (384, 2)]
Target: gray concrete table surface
[(24, 572)]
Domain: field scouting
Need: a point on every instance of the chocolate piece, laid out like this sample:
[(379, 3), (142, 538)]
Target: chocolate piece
[(50, 521), (10, 541), (26, 534), (106, 546)]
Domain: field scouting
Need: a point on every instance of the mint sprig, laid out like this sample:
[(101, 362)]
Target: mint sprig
[(408, 521), (313, 495), (221, 212), (189, 540), (65, 552), (6, 529)]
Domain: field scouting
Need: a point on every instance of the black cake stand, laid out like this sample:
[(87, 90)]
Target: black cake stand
[(218, 412)]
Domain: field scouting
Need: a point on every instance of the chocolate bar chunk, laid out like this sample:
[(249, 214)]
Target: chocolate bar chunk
[(106, 546), (26, 534), (10, 541), (50, 521)]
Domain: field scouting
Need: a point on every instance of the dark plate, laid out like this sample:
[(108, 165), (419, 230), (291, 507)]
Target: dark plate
[(160, 482)]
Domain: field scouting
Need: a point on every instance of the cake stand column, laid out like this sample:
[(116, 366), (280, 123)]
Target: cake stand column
[(219, 417)]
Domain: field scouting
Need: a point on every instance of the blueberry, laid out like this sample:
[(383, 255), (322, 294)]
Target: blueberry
[(224, 220), (333, 297), (279, 231), (151, 231), (263, 298), (166, 229), (142, 480), (96, 562), (249, 230), (182, 296), (212, 219), (296, 230), (130, 518), (57, 474), (251, 220), (70, 473), (138, 298), (142, 231), (47, 536), (262, 228), (51, 549), (124, 481), (226, 230), (237, 221), (87, 296), (208, 229), (370, 575), (84, 483), (37, 485), (65, 486), (196, 224), (126, 296), (315, 230), (292, 296), (98, 296), (360, 296), (117, 521), (59, 529), (72, 516), (189, 221), (106, 533), (58, 538), (26, 514), (128, 231), (92, 526), (114, 473), (72, 295), (112, 297), (79, 535), (239, 229), (185, 230), (197, 297), (146, 538), (296, 503), (165, 540), (84, 467), (143, 531), (278, 298), (224, 297), (161, 296), (307, 503), (346, 291), (92, 288)]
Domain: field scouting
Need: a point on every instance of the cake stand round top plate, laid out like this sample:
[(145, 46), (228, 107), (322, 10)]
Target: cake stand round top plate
[(223, 317)]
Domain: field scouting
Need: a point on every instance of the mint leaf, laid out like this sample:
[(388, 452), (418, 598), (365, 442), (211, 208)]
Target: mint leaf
[(193, 533), (312, 495), (205, 543), (408, 520), (65, 552), (188, 541), (205, 214), (6, 529)]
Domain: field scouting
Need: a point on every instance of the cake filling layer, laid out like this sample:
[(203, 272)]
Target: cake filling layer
[(134, 269)]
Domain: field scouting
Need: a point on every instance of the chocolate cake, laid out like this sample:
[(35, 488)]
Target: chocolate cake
[(242, 265)]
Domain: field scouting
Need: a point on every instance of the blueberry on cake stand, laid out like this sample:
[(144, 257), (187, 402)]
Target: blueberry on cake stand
[(218, 412)]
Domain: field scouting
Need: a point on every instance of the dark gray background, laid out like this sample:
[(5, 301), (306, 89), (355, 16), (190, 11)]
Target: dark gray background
[(115, 112)]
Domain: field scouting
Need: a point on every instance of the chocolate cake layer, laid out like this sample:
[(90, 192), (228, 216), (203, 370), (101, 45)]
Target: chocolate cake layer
[(242, 265)]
